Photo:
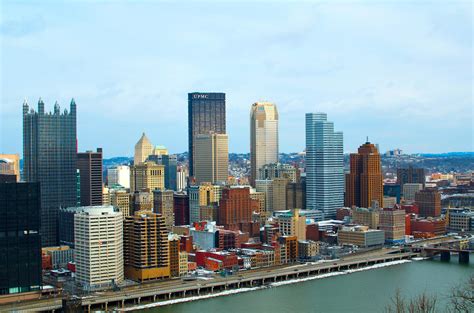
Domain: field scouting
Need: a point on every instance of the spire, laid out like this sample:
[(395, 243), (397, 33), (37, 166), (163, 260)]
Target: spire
[(25, 107), (40, 106), (56, 107), (367, 141)]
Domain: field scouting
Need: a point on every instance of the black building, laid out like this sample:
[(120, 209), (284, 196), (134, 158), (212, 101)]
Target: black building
[(89, 165), (20, 240), (392, 190), (49, 154), (206, 113), (410, 175)]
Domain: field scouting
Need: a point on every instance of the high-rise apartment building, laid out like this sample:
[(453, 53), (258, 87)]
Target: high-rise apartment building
[(164, 205), (278, 170), (20, 241), (98, 235), (119, 175), (10, 165), (211, 158), (364, 183), (206, 114), (147, 175), (146, 247), (143, 148), (49, 154), (411, 175), (89, 165), (263, 137), (429, 202), (324, 165)]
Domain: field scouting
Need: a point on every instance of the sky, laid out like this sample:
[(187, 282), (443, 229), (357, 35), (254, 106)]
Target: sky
[(399, 72)]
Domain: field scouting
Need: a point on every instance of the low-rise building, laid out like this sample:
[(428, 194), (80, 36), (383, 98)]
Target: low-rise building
[(361, 236)]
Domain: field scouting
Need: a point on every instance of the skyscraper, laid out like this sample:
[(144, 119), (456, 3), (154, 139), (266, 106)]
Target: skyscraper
[(147, 175), (410, 175), (324, 165), (163, 204), (143, 148), (89, 165), (206, 113), (429, 202), (49, 148), (211, 158), (170, 162), (263, 137), (364, 183), (20, 241)]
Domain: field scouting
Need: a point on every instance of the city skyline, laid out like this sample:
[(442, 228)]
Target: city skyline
[(311, 63)]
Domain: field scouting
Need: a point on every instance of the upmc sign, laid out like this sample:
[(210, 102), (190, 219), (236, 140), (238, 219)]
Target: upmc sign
[(201, 96)]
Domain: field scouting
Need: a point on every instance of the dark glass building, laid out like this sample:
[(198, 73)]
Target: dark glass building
[(49, 154), (20, 240), (392, 190), (206, 113), (410, 175), (170, 163), (181, 208), (89, 165)]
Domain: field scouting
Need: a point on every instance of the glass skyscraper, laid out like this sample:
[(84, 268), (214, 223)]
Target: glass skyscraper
[(49, 148), (324, 165), (206, 113)]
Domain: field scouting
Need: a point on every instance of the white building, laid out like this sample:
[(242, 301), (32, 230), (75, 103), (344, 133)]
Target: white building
[(119, 175), (98, 234), (181, 178)]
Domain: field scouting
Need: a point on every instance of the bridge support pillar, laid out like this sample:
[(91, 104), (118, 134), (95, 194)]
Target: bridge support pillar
[(123, 303), (106, 305), (445, 256), (464, 257)]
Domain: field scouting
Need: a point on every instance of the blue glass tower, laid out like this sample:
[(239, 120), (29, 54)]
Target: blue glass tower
[(324, 165)]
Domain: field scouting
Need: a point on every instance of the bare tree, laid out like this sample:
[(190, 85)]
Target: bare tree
[(462, 297), (423, 303)]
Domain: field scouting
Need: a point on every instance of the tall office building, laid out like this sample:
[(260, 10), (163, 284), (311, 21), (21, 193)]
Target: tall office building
[(211, 158), (49, 154), (119, 175), (163, 204), (181, 208), (98, 235), (146, 248), (89, 165), (364, 184), (206, 113), (410, 175), (324, 165), (20, 241), (10, 165), (170, 162), (143, 148), (201, 196), (263, 137), (147, 175), (236, 207)]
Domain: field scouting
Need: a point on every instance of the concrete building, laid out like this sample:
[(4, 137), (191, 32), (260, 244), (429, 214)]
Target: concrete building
[(263, 137), (98, 235), (296, 196), (89, 165), (292, 224), (181, 178), (266, 187), (260, 197), (121, 200), (278, 170), (143, 148), (146, 247), (163, 201), (392, 222), (364, 183), (389, 202), (366, 217), (211, 158), (410, 190), (119, 175), (236, 207), (49, 156), (279, 193), (174, 254), (307, 250), (147, 175), (206, 114), (206, 237), (361, 236), (202, 195), (460, 220), (10, 165), (141, 201), (429, 202), (170, 163), (60, 256), (324, 165)]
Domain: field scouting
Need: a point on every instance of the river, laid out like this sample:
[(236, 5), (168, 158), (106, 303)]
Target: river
[(363, 291)]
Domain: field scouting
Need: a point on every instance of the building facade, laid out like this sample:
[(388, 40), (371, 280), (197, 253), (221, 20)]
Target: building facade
[(278, 170), (411, 175), (119, 175), (324, 165), (143, 148), (206, 113), (292, 224), (147, 175), (49, 154), (211, 158), (263, 137), (429, 202), (163, 201), (10, 165), (364, 183), (89, 165)]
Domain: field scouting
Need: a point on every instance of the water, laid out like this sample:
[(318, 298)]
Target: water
[(365, 291)]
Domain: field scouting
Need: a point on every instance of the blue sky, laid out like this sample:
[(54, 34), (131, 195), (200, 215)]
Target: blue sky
[(399, 72)]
